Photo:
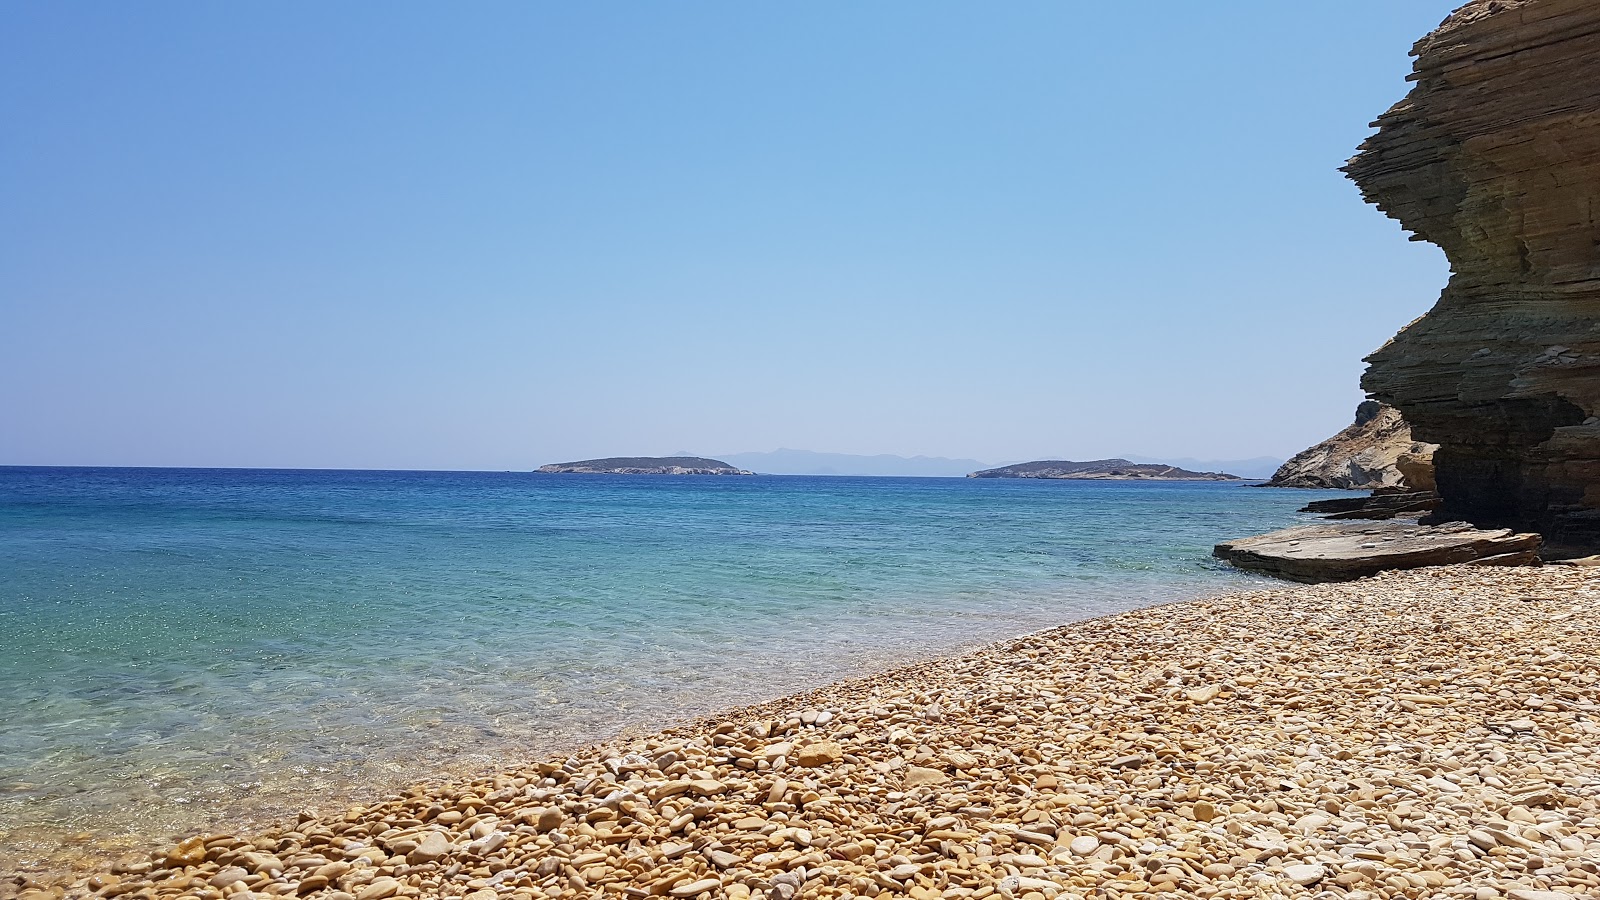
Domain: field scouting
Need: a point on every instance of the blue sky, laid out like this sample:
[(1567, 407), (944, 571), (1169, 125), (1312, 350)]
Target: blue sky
[(495, 235)]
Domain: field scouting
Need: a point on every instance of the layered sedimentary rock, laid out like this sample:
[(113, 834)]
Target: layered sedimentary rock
[(1495, 157), (1389, 504), (1365, 456), (1346, 551)]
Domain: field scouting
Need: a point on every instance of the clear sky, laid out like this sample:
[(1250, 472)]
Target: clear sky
[(494, 235)]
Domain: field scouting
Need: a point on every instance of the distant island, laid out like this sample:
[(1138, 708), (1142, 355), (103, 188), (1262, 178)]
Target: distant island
[(645, 465), (1101, 470)]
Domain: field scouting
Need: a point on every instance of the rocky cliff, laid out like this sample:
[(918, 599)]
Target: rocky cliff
[(1495, 157), (1368, 455)]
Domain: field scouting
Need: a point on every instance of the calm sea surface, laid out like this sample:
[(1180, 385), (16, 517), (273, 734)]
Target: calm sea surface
[(182, 647)]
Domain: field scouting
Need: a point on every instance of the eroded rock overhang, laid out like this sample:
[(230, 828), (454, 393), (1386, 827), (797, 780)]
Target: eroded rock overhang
[(1494, 156)]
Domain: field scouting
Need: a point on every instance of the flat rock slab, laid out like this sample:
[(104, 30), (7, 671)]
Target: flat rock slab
[(1343, 551)]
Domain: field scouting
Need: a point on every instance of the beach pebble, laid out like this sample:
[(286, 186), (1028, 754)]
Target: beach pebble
[(191, 852), (434, 845), (822, 753), (227, 876), (379, 889), (917, 776), (1305, 874), (695, 888)]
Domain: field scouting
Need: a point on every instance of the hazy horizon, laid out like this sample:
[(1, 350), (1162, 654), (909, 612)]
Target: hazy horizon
[(485, 238), (849, 464)]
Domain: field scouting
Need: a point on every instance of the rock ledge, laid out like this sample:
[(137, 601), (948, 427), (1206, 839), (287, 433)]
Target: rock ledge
[(1345, 551)]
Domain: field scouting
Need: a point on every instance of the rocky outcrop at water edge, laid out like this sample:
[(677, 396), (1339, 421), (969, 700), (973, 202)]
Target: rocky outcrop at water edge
[(1494, 157)]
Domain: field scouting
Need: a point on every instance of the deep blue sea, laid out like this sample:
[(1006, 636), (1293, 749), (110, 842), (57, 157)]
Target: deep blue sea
[(182, 647)]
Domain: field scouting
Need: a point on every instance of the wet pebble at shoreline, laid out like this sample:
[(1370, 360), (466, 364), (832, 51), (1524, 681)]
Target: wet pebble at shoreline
[(1428, 733)]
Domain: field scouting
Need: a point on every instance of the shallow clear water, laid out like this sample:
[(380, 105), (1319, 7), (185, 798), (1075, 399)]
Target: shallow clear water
[(180, 647)]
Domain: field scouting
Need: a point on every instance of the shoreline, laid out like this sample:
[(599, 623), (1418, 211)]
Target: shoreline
[(286, 657), (81, 853), (998, 766)]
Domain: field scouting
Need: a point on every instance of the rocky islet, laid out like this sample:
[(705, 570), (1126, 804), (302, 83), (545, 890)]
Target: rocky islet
[(644, 465), (1425, 733), (1100, 470)]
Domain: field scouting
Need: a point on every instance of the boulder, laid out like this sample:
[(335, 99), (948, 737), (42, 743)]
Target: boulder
[(1343, 551)]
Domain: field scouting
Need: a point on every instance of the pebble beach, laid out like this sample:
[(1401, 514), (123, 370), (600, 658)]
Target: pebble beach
[(1417, 734)]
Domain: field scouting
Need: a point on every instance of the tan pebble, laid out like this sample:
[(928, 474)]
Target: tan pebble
[(228, 875), (332, 870), (550, 819), (434, 846), (379, 889), (1204, 810), (822, 753), (191, 852), (917, 776), (695, 888), (1305, 874), (960, 759)]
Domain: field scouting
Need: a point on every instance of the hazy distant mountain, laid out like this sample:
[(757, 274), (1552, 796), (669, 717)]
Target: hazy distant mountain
[(1258, 467), (808, 462)]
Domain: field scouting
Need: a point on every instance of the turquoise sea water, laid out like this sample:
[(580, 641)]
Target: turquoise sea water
[(186, 647)]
